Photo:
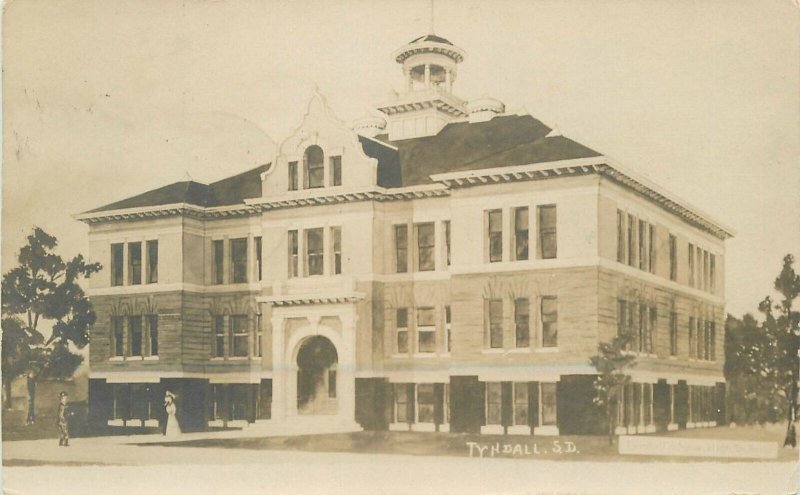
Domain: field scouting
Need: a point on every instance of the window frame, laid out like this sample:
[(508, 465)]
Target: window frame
[(239, 330), (152, 337), (522, 321), (401, 330), (521, 251), (293, 182), (313, 171), (318, 255), (429, 248), (493, 406), (117, 264), (673, 257), (237, 248), (135, 264), (428, 329), (554, 321), (151, 276), (335, 163), (336, 249), (494, 237), (401, 248), (494, 323), (547, 235), (218, 249), (136, 336), (219, 334), (293, 253)]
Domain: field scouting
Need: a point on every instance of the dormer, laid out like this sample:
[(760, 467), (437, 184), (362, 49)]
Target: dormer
[(322, 156)]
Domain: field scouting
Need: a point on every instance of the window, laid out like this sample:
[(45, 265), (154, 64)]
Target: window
[(495, 235), (706, 283), (336, 235), (698, 258), (219, 261), (152, 330), (495, 322), (332, 383), (402, 330), (673, 334), (426, 330), (336, 170), (620, 236), (549, 321), (118, 334), (314, 167), (401, 403), (259, 337), (447, 327), (522, 322), (135, 330), (314, 252), (691, 265), (426, 400), (152, 262), (642, 247), (651, 329), (294, 250), (712, 273), (293, 176), (713, 341), (494, 403), (651, 249), (239, 260), (673, 257), (446, 225), (401, 248), (219, 336), (631, 240), (258, 258), (548, 401), (239, 332), (521, 233), (647, 403), (547, 231), (521, 403), (691, 336), (426, 244), (117, 264), (134, 263), (622, 319)]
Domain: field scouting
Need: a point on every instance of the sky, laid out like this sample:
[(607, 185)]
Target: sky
[(104, 99)]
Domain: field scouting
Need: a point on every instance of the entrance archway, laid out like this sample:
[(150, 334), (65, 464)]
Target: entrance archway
[(316, 376)]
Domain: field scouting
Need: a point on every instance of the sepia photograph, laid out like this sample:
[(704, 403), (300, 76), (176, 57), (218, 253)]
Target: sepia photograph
[(543, 247)]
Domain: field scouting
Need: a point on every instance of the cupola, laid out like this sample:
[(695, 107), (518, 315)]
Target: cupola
[(426, 103)]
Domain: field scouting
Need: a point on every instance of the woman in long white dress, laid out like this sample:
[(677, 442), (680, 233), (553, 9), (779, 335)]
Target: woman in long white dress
[(173, 428)]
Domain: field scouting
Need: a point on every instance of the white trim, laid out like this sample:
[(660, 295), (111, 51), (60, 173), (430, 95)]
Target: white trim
[(672, 427), (546, 431), (519, 430), (492, 430), (519, 169), (423, 426), (399, 427), (146, 376)]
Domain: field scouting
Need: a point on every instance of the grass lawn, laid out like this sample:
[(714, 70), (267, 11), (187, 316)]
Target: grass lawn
[(46, 409), (567, 448)]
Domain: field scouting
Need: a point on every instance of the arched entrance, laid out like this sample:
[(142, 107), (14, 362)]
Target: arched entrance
[(316, 376)]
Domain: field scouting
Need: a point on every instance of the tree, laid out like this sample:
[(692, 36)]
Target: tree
[(611, 362), (782, 325), (44, 287), (754, 394)]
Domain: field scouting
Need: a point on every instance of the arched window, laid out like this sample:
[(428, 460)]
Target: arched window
[(313, 167)]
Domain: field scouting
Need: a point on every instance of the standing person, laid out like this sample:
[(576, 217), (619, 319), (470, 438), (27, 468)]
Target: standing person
[(31, 398), (61, 421), (173, 428)]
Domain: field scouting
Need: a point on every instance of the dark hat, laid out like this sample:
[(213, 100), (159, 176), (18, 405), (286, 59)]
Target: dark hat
[(63, 394)]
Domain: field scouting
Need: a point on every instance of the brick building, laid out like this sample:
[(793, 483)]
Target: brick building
[(446, 267)]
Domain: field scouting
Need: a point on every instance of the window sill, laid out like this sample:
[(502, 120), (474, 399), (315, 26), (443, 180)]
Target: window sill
[(493, 351), (400, 356), (150, 358), (117, 358), (546, 350), (520, 350), (425, 355), (399, 427), (492, 430), (423, 427), (519, 430), (238, 358)]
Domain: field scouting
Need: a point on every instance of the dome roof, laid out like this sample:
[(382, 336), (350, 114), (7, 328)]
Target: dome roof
[(431, 37)]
